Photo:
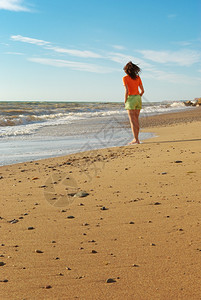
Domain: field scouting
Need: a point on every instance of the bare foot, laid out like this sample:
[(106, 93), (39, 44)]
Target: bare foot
[(134, 142)]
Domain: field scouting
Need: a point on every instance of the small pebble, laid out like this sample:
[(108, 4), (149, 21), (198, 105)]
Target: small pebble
[(5, 280), (132, 222), (80, 277), (2, 264), (134, 265), (31, 228), (70, 217), (93, 251), (152, 244), (13, 221), (48, 287), (38, 251), (81, 194), (104, 208), (110, 280)]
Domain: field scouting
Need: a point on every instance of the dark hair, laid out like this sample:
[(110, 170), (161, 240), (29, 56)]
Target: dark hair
[(132, 70)]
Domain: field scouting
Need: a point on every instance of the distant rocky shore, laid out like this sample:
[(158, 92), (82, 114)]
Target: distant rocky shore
[(195, 102)]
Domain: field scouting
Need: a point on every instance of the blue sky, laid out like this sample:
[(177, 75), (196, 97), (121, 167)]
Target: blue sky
[(76, 50)]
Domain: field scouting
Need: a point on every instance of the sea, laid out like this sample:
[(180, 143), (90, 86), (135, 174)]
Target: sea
[(32, 130)]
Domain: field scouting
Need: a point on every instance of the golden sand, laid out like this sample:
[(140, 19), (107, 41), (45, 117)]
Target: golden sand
[(139, 225)]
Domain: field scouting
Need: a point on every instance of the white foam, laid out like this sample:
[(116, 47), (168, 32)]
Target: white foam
[(177, 104), (29, 124), (52, 120)]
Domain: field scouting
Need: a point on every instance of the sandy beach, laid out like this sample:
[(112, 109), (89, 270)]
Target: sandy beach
[(116, 223)]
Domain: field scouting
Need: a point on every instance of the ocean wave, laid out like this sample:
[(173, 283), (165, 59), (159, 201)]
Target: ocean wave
[(162, 108), (177, 104), (30, 117), (61, 118)]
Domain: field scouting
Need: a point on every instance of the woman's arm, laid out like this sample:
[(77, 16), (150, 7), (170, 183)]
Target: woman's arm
[(126, 93), (141, 89)]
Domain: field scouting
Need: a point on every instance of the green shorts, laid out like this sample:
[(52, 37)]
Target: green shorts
[(133, 102)]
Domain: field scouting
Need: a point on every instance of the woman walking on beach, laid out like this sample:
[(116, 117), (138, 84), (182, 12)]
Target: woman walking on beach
[(133, 102)]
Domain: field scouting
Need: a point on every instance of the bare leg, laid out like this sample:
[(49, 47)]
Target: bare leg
[(134, 122)]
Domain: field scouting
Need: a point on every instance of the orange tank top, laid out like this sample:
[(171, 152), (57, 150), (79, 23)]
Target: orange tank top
[(132, 84)]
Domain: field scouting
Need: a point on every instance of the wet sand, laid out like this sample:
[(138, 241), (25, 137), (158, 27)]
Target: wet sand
[(137, 225)]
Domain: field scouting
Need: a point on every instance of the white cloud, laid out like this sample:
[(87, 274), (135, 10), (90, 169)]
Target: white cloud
[(182, 57), (123, 59), (73, 65), (14, 53), (150, 71), (13, 5), (183, 43), (28, 40), (4, 44), (48, 45), (171, 77), (78, 53), (118, 47)]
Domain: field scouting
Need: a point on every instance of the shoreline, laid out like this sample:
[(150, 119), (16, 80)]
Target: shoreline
[(139, 225), (171, 118), (103, 142)]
